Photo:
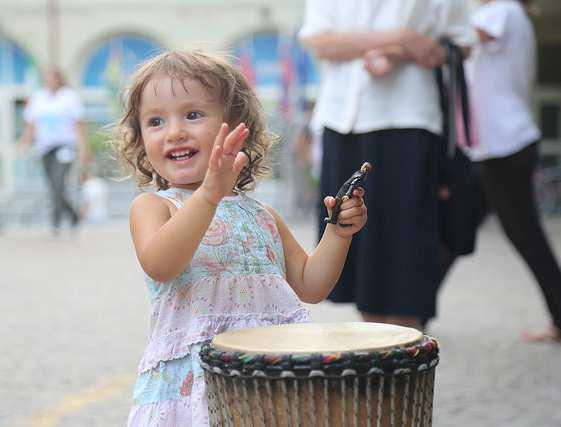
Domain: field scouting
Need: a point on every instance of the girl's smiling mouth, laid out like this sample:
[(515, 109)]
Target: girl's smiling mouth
[(182, 154)]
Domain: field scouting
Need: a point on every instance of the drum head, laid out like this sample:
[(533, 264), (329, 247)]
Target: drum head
[(317, 338)]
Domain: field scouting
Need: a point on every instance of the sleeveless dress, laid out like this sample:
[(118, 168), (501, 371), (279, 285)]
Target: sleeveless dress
[(235, 280)]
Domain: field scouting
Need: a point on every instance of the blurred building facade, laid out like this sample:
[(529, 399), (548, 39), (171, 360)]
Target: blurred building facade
[(98, 43)]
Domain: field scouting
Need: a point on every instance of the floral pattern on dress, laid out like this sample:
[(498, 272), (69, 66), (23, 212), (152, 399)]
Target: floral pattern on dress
[(187, 385), (267, 222), (217, 233)]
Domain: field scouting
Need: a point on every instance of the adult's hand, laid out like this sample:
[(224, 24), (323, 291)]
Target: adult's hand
[(424, 50)]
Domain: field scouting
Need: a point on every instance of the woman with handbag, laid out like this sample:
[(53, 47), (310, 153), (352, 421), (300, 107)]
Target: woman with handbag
[(502, 73), (378, 102)]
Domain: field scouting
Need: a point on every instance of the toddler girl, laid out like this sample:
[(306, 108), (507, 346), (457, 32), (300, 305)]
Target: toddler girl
[(214, 258)]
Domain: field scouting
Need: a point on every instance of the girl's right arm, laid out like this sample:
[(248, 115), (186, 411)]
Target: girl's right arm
[(165, 242)]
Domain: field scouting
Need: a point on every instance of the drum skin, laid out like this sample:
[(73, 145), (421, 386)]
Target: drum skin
[(387, 386)]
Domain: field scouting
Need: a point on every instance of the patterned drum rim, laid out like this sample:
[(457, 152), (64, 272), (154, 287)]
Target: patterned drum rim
[(416, 357)]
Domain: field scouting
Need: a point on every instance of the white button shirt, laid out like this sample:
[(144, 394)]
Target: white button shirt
[(502, 74), (349, 99)]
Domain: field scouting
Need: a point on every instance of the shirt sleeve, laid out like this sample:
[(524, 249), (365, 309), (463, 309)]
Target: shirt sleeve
[(456, 23), (318, 17), (29, 112), (76, 108), (491, 18)]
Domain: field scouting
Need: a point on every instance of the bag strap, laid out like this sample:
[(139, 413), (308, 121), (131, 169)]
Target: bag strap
[(453, 91)]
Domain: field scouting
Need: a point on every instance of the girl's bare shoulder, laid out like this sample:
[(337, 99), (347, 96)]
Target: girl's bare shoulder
[(149, 204)]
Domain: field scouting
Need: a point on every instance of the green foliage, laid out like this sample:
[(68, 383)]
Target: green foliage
[(104, 163)]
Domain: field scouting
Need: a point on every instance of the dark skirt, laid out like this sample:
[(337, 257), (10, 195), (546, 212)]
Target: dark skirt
[(392, 267)]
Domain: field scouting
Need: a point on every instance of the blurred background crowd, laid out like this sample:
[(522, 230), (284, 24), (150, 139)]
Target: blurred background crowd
[(98, 44)]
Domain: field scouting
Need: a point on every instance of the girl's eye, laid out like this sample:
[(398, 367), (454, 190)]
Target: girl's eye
[(155, 122), (193, 115)]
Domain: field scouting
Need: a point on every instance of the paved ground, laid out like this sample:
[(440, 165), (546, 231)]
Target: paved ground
[(74, 320)]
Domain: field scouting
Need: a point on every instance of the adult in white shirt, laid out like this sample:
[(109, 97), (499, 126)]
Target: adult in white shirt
[(54, 120), (502, 72), (393, 120)]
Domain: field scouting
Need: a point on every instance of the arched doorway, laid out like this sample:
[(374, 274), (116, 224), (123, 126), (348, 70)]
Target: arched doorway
[(18, 76), (107, 69), (106, 72)]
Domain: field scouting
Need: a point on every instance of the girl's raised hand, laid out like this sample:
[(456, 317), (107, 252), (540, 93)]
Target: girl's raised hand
[(225, 163), (353, 214)]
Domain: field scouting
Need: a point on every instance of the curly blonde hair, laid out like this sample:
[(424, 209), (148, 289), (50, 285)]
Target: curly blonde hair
[(221, 78)]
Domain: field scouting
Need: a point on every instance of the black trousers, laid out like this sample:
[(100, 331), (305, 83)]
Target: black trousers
[(507, 183), (57, 173)]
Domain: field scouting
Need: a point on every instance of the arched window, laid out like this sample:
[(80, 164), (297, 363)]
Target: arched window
[(116, 59), (16, 67)]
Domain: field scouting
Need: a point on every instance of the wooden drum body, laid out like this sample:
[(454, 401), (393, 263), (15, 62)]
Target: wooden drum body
[(329, 374)]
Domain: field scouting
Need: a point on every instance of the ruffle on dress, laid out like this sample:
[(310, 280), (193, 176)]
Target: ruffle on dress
[(178, 344), (184, 314)]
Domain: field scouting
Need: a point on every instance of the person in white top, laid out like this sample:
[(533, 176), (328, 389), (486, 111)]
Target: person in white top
[(391, 119), (502, 72), (54, 120), (95, 199)]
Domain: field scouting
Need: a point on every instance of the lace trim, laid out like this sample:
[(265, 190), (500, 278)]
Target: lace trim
[(178, 344)]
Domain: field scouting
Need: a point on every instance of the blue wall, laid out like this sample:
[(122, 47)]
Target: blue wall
[(16, 66)]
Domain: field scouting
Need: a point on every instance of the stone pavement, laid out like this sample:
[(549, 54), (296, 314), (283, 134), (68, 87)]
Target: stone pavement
[(75, 316)]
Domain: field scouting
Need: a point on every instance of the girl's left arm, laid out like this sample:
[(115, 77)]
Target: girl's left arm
[(313, 276)]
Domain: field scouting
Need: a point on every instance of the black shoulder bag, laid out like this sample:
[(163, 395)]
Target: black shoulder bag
[(458, 213)]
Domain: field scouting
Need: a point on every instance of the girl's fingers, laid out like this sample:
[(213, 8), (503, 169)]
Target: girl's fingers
[(359, 192), (348, 215), (352, 202), (241, 140), (349, 212), (329, 202), (239, 162), (216, 154), (221, 136), (234, 140)]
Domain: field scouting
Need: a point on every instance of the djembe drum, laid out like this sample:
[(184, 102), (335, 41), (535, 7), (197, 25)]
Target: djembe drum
[(321, 374)]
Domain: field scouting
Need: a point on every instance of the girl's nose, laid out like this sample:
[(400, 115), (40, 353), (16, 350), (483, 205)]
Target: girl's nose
[(176, 131)]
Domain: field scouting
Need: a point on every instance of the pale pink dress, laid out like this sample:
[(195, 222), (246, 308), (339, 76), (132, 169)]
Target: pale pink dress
[(235, 280)]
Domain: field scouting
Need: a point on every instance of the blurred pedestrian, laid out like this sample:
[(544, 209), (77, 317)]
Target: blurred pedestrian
[(215, 259), (304, 162), (502, 75), (378, 102), (54, 121), (95, 195)]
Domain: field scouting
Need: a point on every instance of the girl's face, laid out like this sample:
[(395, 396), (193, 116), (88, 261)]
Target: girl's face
[(178, 124)]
